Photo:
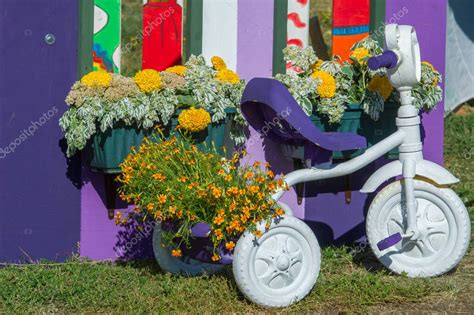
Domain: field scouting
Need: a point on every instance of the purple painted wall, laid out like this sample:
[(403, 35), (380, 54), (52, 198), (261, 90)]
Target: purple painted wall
[(39, 187), (255, 59)]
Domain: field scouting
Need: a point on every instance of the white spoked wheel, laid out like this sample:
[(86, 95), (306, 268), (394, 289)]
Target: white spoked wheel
[(443, 223), (178, 265), (280, 267)]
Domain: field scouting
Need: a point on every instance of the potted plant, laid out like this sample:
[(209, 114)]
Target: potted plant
[(348, 96), (108, 113), (199, 198)]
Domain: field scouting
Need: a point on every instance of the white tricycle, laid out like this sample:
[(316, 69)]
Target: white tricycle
[(415, 225)]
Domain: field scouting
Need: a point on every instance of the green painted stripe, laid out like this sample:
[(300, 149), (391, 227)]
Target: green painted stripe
[(377, 19), (193, 28), (280, 33), (86, 30)]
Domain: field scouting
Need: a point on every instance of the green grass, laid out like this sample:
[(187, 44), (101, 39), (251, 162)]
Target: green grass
[(347, 283)]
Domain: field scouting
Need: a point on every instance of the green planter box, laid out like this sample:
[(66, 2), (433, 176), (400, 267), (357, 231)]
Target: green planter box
[(355, 121), (106, 150)]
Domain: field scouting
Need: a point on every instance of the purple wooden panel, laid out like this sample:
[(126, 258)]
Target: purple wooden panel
[(429, 19), (255, 59), (333, 220), (39, 187), (255, 38)]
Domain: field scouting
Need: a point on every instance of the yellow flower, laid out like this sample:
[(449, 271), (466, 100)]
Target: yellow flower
[(218, 63), (382, 85), (316, 66), (360, 53), (327, 87), (230, 245), (148, 80), (97, 79), (227, 76), (215, 257), (176, 253), (257, 233), (194, 120), (179, 70), (432, 68)]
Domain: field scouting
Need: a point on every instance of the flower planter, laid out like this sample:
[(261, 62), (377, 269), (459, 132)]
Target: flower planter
[(107, 150), (201, 245), (356, 121)]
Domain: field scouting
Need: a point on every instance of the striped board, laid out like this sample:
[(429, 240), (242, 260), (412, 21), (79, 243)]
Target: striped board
[(298, 26), (248, 35), (162, 34), (350, 24), (107, 32)]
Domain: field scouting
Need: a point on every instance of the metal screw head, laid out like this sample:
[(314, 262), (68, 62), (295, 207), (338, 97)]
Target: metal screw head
[(50, 39)]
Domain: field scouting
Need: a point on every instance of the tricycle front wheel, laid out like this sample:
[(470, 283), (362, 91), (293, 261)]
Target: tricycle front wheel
[(442, 221), (178, 265), (280, 267)]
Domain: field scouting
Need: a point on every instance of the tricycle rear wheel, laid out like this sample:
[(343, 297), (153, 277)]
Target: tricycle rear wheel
[(280, 267)]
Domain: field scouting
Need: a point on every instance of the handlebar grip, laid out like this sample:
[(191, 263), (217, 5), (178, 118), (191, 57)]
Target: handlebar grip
[(387, 60)]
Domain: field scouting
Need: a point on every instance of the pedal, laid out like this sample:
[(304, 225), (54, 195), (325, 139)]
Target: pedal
[(389, 241)]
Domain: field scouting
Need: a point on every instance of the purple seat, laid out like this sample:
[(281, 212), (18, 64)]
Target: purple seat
[(270, 109)]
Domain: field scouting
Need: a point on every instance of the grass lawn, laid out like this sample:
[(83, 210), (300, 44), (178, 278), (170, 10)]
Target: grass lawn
[(347, 283)]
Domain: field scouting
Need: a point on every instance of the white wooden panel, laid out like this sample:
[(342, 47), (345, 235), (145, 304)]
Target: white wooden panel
[(219, 28)]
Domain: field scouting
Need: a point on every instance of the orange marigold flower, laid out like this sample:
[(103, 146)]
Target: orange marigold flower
[(216, 192), (176, 253), (233, 190), (162, 198), (150, 206), (182, 179), (256, 164), (232, 206), (215, 257), (159, 177), (228, 178), (218, 220), (253, 189), (230, 245), (248, 175), (260, 179), (280, 211), (218, 234), (270, 174), (257, 233), (221, 172)]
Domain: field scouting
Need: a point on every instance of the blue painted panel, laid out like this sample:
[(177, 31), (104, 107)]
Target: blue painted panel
[(39, 187)]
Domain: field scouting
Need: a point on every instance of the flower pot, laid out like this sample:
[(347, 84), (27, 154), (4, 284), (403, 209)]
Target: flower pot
[(107, 150), (201, 245), (356, 121), (217, 134)]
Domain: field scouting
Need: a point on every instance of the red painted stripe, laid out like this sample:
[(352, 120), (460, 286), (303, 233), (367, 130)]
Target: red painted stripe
[(295, 18), (303, 2), (295, 41), (351, 13)]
